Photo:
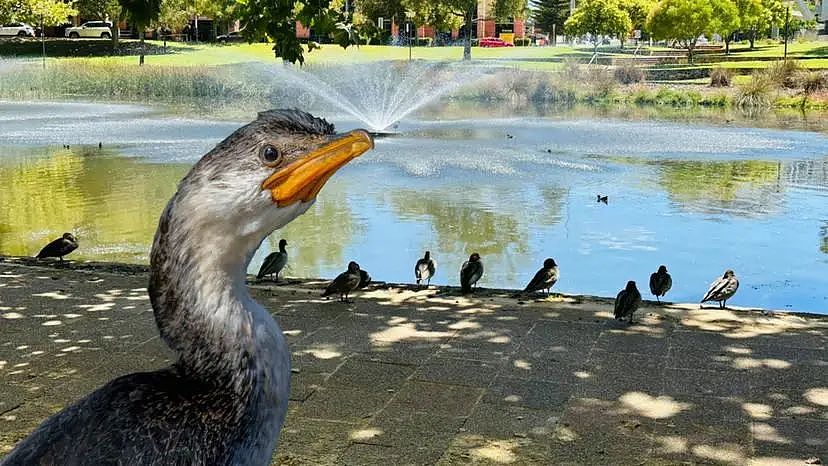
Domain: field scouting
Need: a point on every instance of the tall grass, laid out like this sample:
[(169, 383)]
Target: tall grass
[(756, 92)]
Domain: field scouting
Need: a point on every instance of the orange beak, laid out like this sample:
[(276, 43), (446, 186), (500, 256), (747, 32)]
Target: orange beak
[(303, 179)]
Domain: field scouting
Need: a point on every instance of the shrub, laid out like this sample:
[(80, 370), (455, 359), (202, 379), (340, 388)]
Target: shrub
[(812, 81), (783, 74), (601, 82), (522, 42), (755, 93), (720, 77), (629, 74), (424, 41), (571, 70)]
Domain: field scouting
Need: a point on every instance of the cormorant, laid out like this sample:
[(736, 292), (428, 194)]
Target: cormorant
[(660, 282), (59, 247), (470, 273), (604, 199), (225, 398), (274, 262), (345, 282), (545, 278), (722, 289), (627, 302), (424, 269), (364, 279)]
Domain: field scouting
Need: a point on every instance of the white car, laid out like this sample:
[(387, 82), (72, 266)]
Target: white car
[(17, 29), (90, 29)]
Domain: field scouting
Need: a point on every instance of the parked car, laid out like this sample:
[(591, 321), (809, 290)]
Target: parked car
[(100, 29), (235, 36), (494, 42), (17, 29)]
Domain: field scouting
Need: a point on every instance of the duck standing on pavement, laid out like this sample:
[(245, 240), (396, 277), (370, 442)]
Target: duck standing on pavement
[(545, 278), (660, 282), (345, 283), (470, 272), (59, 247), (627, 302), (274, 262), (722, 289), (424, 269)]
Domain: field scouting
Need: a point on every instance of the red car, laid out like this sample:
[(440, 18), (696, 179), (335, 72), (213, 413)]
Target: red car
[(494, 42)]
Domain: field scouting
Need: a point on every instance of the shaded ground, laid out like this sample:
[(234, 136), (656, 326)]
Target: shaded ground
[(431, 377)]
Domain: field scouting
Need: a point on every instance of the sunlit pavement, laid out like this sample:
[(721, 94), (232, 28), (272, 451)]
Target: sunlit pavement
[(430, 377)]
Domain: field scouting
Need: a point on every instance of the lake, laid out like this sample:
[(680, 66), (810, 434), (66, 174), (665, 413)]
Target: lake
[(697, 197)]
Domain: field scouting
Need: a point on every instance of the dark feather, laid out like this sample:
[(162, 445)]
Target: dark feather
[(544, 279), (470, 273), (58, 248), (627, 301)]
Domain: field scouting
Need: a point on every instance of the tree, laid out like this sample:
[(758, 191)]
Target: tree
[(104, 10), (684, 21), (599, 19), (45, 12), (142, 13), (757, 16), (172, 16), (550, 15), (727, 21), (637, 10)]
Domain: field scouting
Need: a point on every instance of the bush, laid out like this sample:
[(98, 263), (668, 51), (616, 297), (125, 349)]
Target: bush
[(783, 74), (755, 93), (812, 81), (601, 82), (720, 77), (424, 41), (522, 41), (572, 69), (629, 74)]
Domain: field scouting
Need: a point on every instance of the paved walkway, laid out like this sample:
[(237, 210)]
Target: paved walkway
[(430, 377)]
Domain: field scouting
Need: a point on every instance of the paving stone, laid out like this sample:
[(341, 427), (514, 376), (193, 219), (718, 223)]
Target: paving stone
[(302, 385), (411, 353), (478, 450), (312, 442), (369, 375), (795, 404), (505, 421), (720, 443), (457, 372), (549, 370), (689, 382), (790, 438), (629, 342), (533, 394), (350, 405), (415, 397)]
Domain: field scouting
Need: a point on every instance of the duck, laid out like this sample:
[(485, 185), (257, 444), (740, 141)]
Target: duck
[(660, 282), (604, 199), (424, 269), (224, 399), (274, 262), (345, 283), (59, 247), (470, 273), (545, 278), (627, 302), (722, 289)]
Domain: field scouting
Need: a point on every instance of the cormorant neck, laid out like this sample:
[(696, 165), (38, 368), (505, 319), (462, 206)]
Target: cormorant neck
[(199, 296), (282, 248)]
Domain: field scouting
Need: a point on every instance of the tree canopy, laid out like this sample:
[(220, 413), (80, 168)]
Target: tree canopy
[(599, 19), (549, 13), (684, 21), (51, 12)]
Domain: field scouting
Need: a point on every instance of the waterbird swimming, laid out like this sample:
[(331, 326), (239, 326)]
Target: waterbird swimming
[(627, 302), (345, 283), (59, 247), (274, 262), (470, 273), (225, 398), (424, 269), (722, 289), (545, 278), (660, 282), (604, 199)]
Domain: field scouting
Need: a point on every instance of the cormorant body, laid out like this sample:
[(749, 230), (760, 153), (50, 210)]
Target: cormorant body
[(660, 282), (722, 289), (59, 247), (627, 302), (470, 273)]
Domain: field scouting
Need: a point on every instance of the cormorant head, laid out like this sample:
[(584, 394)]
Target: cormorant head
[(282, 243), (549, 263), (70, 237), (728, 273), (662, 269), (266, 173), (631, 286), (353, 267), (428, 255), (474, 257)]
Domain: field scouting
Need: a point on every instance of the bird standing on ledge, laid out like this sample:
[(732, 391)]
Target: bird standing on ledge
[(470, 273), (722, 289), (627, 302), (660, 282), (424, 269), (274, 262), (345, 283), (545, 278), (59, 247), (225, 398)]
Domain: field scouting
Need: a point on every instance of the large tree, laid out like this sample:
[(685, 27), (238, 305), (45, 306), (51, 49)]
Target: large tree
[(141, 13), (727, 21), (684, 21), (550, 15), (47, 12), (599, 19), (757, 16)]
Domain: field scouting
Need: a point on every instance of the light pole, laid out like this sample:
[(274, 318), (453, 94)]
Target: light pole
[(787, 22), (43, 41)]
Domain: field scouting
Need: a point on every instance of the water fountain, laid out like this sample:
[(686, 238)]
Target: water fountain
[(378, 94)]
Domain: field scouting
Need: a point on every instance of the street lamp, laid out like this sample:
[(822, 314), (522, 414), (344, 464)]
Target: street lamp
[(409, 21)]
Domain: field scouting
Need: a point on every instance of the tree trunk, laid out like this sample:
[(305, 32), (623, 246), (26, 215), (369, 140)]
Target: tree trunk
[(690, 47), (467, 41), (727, 44), (141, 57), (116, 35), (752, 38)]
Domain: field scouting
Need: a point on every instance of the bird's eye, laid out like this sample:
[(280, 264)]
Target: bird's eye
[(271, 155)]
